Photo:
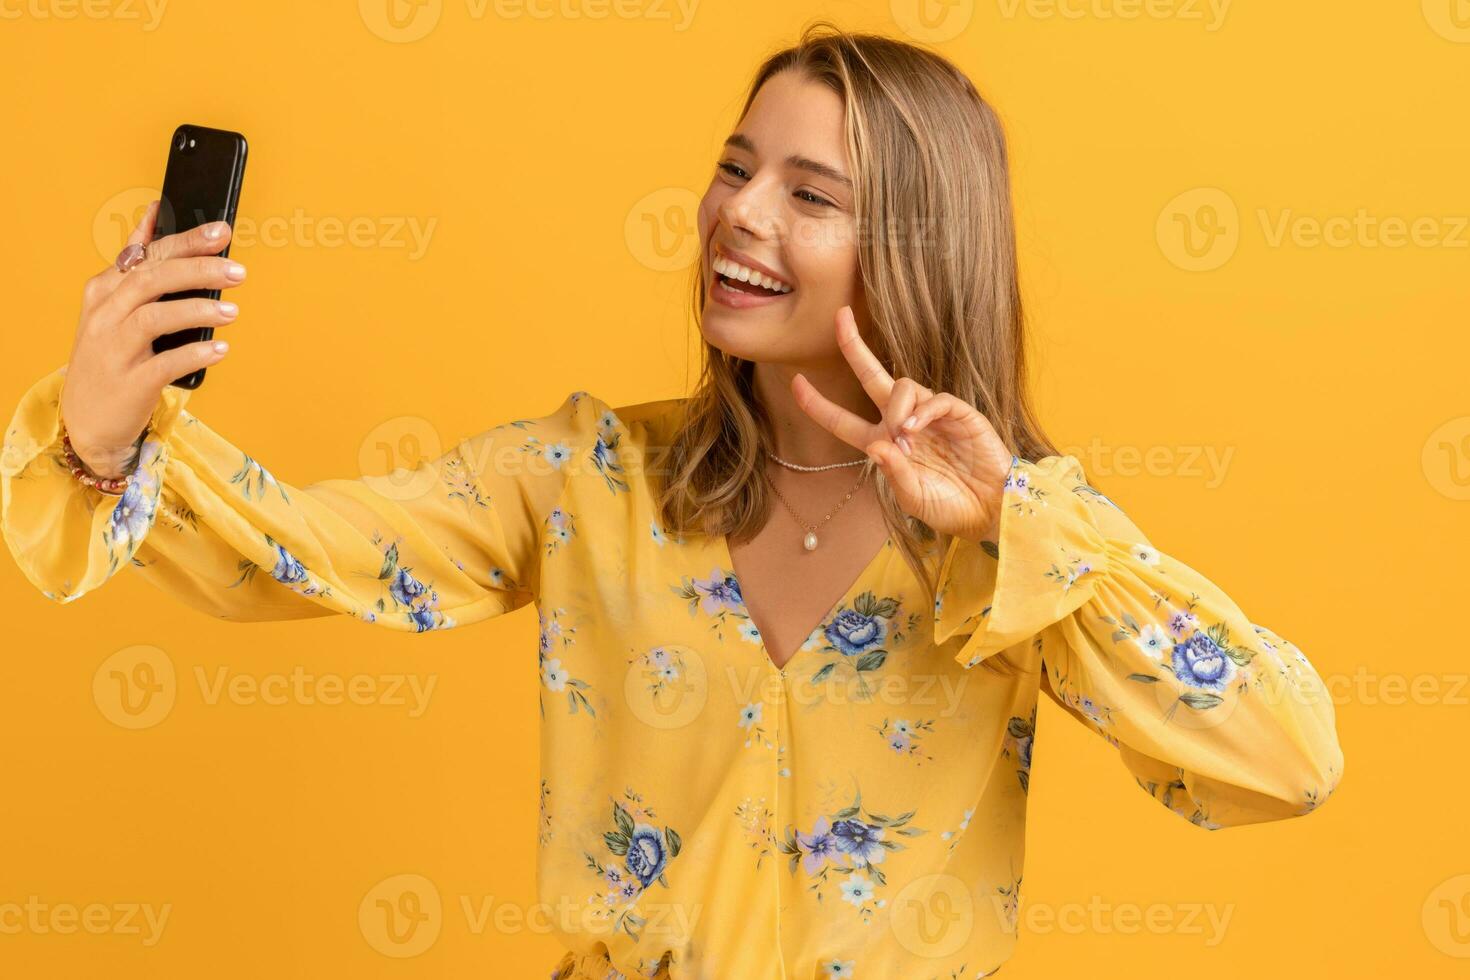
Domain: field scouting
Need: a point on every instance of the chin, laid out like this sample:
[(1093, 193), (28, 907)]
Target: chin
[(724, 334), (753, 335)]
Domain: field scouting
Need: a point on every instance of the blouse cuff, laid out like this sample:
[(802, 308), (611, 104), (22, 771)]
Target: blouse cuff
[(1046, 564), (44, 510)]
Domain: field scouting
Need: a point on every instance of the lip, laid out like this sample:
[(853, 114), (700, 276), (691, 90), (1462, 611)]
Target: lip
[(751, 263)]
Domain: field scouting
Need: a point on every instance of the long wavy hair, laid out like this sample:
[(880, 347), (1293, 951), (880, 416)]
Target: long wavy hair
[(937, 261)]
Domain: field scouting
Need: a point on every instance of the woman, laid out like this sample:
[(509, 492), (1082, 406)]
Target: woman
[(762, 606)]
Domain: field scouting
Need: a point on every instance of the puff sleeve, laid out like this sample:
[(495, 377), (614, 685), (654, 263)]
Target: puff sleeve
[(1220, 719), (451, 541)]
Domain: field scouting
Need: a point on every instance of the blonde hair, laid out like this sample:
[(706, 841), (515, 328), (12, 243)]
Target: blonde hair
[(937, 261)]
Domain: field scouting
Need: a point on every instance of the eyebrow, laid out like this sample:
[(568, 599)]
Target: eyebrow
[(743, 142)]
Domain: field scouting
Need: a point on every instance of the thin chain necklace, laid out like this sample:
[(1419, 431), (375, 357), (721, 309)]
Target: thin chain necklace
[(809, 542)]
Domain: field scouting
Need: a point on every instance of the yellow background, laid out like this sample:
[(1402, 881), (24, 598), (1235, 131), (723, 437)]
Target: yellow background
[(539, 146)]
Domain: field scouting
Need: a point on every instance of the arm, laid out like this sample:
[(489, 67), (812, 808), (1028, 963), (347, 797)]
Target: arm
[(455, 540), (1220, 719)]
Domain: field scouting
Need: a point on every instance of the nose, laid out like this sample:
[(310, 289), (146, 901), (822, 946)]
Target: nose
[(749, 210)]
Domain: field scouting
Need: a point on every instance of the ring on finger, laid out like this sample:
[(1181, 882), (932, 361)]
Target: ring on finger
[(131, 255)]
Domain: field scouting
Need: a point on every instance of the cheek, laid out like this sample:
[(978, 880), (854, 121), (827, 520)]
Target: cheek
[(708, 214), (829, 271)]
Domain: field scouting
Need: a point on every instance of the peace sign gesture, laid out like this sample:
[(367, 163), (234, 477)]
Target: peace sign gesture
[(952, 477)]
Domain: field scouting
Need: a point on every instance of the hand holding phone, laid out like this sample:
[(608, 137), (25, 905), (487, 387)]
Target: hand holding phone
[(201, 184), (149, 327)]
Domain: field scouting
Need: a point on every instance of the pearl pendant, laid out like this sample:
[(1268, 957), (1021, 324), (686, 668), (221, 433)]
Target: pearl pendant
[(810, 541)]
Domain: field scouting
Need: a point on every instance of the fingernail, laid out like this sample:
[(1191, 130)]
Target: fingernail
[(228, 309), (220, 346), (904, 445), (910, 422), (214, 230), (235, 272)]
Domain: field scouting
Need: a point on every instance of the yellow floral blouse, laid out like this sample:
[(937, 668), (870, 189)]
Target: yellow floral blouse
[(859, 812)]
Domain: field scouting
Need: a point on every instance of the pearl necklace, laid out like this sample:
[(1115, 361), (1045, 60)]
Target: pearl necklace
[(809, 541), (813, 469)]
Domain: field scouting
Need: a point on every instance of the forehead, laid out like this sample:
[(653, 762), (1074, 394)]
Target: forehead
[(793, 114)]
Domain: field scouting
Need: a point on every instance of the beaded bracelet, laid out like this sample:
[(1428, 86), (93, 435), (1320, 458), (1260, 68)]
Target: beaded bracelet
[(112, 485)]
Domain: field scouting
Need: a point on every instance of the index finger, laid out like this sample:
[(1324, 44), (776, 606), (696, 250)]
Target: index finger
[(871, 374), (140, 235), (848, 426), (206, 239), (144, 229)]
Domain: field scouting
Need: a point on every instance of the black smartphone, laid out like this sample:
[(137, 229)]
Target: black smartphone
[(200, 184)]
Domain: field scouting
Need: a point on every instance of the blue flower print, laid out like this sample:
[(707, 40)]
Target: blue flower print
[(860, 836), (1019, 740), (859, 841), (417, 600), (646, 851), (721, 591), (1203, 661), (859, 635), (853, 633), (646, 854), (134, 512), (1199, 662), (131, 518), (407, 590), (288, 570), (718, 596)]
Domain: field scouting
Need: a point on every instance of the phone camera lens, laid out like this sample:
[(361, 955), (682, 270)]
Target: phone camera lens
[(181, 140)]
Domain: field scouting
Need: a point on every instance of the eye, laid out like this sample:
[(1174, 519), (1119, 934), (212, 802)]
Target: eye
[(733, 170), (814, 199)]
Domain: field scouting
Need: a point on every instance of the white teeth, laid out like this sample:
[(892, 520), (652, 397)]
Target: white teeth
[(734, 270)]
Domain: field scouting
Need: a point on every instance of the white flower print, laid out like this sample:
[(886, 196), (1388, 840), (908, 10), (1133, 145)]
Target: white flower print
[(1146, 554), (554, 676), (1153, 640), (857, 889)]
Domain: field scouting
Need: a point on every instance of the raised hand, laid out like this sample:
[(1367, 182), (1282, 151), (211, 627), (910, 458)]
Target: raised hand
[(944, 460), (114, 379)]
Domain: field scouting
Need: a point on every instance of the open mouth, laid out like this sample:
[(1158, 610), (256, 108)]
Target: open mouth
[(736, 278), (749, 288)]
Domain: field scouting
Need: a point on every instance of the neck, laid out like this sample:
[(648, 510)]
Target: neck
[(798, 438)]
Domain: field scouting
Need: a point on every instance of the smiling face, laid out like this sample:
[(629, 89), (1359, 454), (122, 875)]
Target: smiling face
[(776, 227)]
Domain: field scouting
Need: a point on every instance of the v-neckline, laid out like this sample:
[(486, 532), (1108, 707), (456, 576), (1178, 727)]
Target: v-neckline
[(727, 560)]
